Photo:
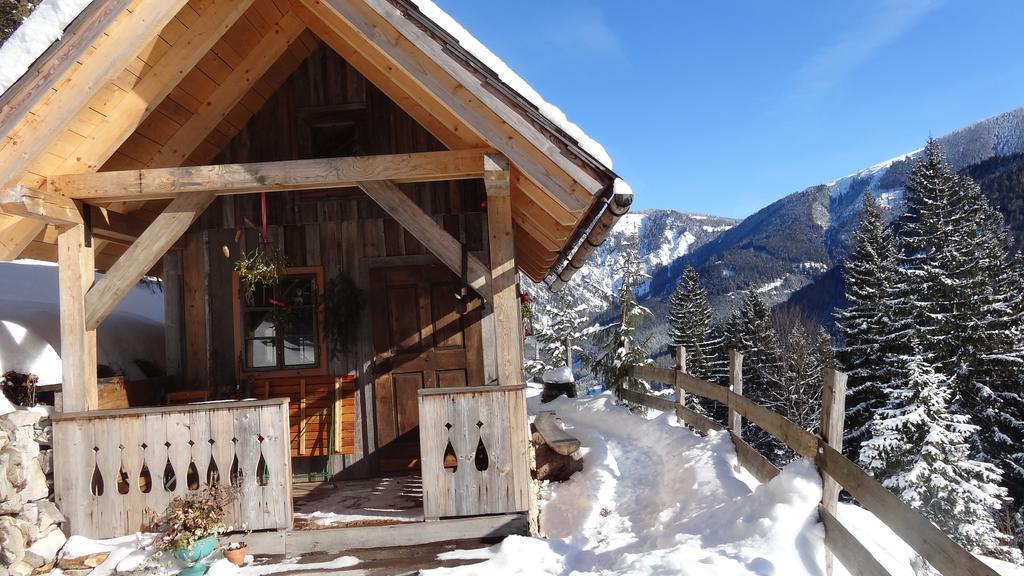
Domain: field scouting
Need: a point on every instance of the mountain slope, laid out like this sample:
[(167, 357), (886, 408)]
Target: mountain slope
[(787, 246)]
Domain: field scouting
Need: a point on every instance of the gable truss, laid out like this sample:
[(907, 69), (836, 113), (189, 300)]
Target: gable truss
[(209, 65)]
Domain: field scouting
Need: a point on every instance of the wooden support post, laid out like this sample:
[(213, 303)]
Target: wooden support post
[(508, 328), (736, 384), (77, 342), (833, 412), (173, 321), (680, 369)]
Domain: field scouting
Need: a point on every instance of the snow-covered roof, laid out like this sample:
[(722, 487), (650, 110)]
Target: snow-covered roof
[(42, 28), (513, 80)]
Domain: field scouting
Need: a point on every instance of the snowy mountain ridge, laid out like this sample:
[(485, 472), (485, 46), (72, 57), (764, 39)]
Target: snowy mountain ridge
[(799, 239), (664, 236)]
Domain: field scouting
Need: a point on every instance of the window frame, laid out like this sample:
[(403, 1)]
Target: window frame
[(322, 366)]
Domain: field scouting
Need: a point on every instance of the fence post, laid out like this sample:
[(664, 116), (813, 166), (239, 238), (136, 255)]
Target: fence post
[(735, 421), (680, 369), (833, 412)]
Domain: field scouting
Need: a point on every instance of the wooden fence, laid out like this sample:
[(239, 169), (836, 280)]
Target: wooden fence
[(113, 468), (474, 446), (825, 450)]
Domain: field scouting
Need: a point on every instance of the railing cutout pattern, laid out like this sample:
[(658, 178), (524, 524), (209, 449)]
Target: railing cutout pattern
[(105, 462), (477, 464)]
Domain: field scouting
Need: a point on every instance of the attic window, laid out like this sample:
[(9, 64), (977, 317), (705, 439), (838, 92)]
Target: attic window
[(334, 139)]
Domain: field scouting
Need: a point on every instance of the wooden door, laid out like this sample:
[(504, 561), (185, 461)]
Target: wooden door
[(422, 338)]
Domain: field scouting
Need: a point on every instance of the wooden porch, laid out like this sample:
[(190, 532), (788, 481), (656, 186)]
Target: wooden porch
[(296, 126), (119, 467)]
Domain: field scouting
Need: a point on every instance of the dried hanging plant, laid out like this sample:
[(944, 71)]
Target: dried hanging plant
[(265, 264)]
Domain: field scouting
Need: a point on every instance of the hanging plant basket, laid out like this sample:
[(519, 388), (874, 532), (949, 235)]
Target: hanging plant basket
[(264, 264), (343, 305)]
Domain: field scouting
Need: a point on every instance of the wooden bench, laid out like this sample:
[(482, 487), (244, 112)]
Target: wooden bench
[(556, 451), (550, 428)]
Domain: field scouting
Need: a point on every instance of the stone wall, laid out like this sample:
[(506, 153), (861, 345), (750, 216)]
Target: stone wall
[(30, 533)]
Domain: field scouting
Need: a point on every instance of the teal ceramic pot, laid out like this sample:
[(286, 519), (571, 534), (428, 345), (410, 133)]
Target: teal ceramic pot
[(194, 554)]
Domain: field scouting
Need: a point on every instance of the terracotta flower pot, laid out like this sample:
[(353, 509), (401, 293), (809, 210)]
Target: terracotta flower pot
[(236, 555)]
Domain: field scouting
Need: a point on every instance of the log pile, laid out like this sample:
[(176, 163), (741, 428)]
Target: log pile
[(30, 532)]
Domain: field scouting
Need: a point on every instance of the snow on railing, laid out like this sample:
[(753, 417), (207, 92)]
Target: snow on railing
[(837, 471)]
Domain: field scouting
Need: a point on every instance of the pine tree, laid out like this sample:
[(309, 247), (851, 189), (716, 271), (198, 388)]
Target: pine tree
[(919, 301), (690, 327), (754, 335), (869, 276), (564, 325), (920, 450), (620, 343)]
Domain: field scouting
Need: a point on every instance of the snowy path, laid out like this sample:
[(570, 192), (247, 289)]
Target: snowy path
[(657, 499)]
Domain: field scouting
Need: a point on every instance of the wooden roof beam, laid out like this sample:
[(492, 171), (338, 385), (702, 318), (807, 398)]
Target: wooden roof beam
[(119, 48), (227, 179), (105, 294), (16, 235), (239, 82), (442, 124), (425, 229), (155, 85), (39, 205), (381, 32)]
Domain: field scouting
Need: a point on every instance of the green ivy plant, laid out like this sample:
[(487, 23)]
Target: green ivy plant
[(264, 264), (343, 304)]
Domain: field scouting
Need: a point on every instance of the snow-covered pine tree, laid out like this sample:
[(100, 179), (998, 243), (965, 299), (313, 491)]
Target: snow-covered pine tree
[(868, 274), (757, 340), (564, 324), (920, 450), (805, 352), (796, 390), (690, 327), (621, 346), (919, 301)]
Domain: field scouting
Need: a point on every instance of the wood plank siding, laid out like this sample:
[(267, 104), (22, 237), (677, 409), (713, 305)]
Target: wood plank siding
[(325, 108)]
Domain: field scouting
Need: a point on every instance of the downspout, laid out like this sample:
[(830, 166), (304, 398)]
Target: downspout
[(618, 198)]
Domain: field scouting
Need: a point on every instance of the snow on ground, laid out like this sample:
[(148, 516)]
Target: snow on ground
[(770, 286), (30, 325), (129, 554), (655, 498)]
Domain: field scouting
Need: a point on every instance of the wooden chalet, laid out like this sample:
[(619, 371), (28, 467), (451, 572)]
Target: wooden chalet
[(142, 143)]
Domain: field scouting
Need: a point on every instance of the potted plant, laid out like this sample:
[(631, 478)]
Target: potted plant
[(235, 553), (191, 524)]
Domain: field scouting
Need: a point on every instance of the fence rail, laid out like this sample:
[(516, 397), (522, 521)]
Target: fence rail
[(945, 555), (117, 467), (474, 445)]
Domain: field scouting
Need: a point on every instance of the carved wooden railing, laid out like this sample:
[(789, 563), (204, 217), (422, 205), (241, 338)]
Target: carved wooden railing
[(825, 451), (473, 451), (114, 469)]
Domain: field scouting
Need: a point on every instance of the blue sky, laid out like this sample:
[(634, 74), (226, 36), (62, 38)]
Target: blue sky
[(722, 107)]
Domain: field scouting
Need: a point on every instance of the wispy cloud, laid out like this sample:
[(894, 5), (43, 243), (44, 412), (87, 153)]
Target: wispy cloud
[(830, 67), (580, 29)]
